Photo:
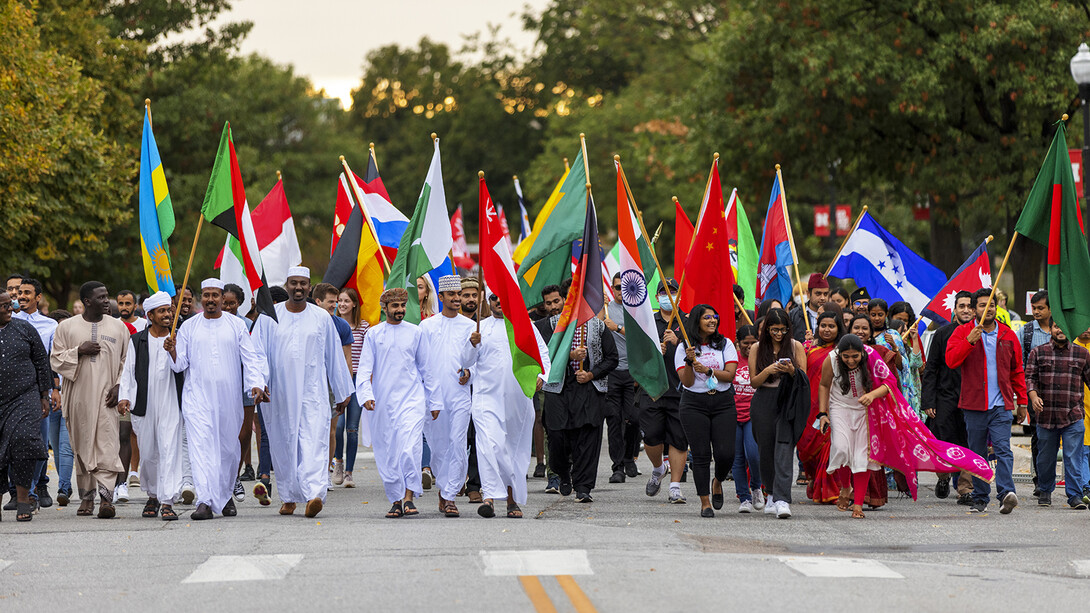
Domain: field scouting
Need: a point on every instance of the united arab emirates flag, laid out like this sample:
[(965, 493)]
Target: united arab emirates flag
[(1051, 217), (640, 331), (225, 206)]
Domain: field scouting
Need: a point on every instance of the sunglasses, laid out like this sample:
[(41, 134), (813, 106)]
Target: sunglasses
[(777, 330), (860, 303), (493, 297), (616, 288), (709, 317)]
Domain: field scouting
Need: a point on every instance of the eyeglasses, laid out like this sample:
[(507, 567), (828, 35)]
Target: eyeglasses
[(493, 297), (709, 317), (777, 330), (860, 303)]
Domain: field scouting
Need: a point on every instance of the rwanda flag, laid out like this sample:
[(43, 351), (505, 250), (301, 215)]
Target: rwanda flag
[(156, 215)]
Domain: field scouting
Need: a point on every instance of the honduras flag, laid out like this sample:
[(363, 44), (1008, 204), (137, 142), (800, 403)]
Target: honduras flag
[(889, 270)]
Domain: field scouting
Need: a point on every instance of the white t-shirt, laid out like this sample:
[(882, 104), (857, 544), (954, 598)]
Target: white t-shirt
[(716, 359), (140, 324)]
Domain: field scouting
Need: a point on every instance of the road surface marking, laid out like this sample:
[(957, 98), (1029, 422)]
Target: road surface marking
[(575, 594), (536, 593), (5, 563), (840, 567), (536, 562), (1082, 567), (244, 568)]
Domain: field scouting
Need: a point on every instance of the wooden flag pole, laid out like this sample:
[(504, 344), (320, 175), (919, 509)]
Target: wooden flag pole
[(185, 280), (846, 237), (920, 318), (586, 162), (147, 109), (791, 242), (480, 268), (643, 230), (371, 148), (995, 284), (359, 199)]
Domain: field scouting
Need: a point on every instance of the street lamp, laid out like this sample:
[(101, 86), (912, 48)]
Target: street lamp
[(1080, 70)]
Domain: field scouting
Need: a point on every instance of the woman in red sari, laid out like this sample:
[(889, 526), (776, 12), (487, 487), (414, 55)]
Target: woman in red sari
[(813, 447), (878, 488)]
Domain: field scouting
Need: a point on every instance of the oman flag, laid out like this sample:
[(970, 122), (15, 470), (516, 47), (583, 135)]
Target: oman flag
[(499, 275), (460, 251), (713, 280), (225, 206), (974, 274), (1052, 218), (640, 331)]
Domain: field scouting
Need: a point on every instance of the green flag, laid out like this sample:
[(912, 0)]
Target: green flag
[(549, 260), (1051, 217), (746, 275)]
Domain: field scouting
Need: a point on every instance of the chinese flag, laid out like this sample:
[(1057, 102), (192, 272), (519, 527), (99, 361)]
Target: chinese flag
[(710, 259)]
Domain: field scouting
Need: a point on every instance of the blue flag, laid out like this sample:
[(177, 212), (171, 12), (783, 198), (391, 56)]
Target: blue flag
[(889, 270)]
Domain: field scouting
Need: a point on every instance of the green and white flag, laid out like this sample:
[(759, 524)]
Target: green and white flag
[(427, 239)]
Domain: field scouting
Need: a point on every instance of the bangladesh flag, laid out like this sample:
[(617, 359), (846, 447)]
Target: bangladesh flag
[(225, 206), (1052, 218)]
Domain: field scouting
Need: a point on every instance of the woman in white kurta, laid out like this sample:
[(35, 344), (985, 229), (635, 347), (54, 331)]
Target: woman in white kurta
[(219, 361), (502, 414), (393, 385), (305, 362), (843, 398)]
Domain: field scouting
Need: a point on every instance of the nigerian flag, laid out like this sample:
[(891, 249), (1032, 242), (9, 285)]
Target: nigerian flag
[(427, 239)]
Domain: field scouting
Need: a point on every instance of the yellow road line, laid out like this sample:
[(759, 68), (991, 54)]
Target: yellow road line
[(578, 599), (536, 593)]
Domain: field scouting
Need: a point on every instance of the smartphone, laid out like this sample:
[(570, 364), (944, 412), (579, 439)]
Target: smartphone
[(783, 361)]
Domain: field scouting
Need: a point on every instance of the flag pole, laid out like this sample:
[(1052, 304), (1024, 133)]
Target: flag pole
[(371, 148), (586, 162), (480, 267), (643, 230), (147, 109), (846, 237), (791, 242), (658, 232), (185, 280), (920, 318), (995, 284), (359, 199)]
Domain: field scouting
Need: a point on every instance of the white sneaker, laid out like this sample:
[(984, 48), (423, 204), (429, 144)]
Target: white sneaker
[(745, 507), (121, 493), (783, 510), (758, 499), (770, 507)]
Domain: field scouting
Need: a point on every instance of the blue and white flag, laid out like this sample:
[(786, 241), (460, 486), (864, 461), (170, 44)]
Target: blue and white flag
[(524, 219), (889, 270)]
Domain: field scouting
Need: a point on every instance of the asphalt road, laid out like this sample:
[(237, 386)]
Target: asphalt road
[(624, 552)]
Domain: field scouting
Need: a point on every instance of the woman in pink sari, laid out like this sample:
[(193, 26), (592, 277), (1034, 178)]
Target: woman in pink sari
[(871, 424)]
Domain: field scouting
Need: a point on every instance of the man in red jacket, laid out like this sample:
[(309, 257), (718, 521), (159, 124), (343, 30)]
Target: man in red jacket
[(992, 385)]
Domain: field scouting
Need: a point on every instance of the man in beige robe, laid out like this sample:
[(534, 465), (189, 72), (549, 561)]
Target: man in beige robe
[(88, 353)]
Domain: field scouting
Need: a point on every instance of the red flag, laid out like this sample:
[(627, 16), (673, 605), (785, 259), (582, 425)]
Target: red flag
[(974, 274), (710, 259), (683, 236), (458, 233)]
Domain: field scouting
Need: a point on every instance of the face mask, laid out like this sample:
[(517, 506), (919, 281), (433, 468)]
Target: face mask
[(15, 304), (664, 302), (712, 382)]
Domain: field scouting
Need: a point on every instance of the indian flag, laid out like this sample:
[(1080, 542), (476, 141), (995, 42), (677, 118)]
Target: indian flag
[(641, 334), (427, 239)]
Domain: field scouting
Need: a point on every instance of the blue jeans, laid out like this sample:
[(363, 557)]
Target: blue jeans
[(745, 452), (1048, 442), (264, 457), (348, 434), (62, 450), (994, 425), (425, 458)]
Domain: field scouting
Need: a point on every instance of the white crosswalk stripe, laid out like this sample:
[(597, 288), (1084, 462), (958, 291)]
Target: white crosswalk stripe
[(5, 563), (536, 562), (1082, 567), (840, 567), (218, 569)]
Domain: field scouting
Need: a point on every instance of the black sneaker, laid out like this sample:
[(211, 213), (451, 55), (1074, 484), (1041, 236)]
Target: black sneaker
[(1044, 499), (565, 488), (1010, 500), (42, 492), (965, 499), (539, 471), (631, 470), (1076, 503), (617, 477), (583, 497), (247, 474), (10, 505), (942, 488), (978, 507)]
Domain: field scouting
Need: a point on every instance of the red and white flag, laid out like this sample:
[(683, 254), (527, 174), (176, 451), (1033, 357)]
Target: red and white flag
[(460, 250)]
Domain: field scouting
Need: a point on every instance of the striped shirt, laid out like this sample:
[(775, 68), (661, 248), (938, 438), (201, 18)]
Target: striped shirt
[(358, 333)]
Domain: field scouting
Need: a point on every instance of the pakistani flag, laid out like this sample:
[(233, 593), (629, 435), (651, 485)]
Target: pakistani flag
[(641, 334), (427, 239), (1051, 217)]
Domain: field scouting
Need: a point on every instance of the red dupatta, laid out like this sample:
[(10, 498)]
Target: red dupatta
[(899, 440)]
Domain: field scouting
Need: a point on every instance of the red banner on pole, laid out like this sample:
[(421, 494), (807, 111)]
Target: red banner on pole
[(821, 220), (843, 219)]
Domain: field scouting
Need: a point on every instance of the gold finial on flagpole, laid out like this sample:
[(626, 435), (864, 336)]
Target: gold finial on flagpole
[(480, 174)]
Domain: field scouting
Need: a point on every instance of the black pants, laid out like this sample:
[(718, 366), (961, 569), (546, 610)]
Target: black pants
[(473, 481), (777, 459), (573, 455), (622, 421), (949, 424), (709, 421)]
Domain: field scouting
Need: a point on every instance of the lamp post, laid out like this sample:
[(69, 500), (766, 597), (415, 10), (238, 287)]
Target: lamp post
[(1080, 70)]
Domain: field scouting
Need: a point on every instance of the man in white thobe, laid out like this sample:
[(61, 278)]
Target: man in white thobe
[(219, 360), (151, 393), (304, 352), (502, 414), (394, 385), (446, 335)]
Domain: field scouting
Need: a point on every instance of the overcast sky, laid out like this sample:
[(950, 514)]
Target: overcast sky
[(327, 40)]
